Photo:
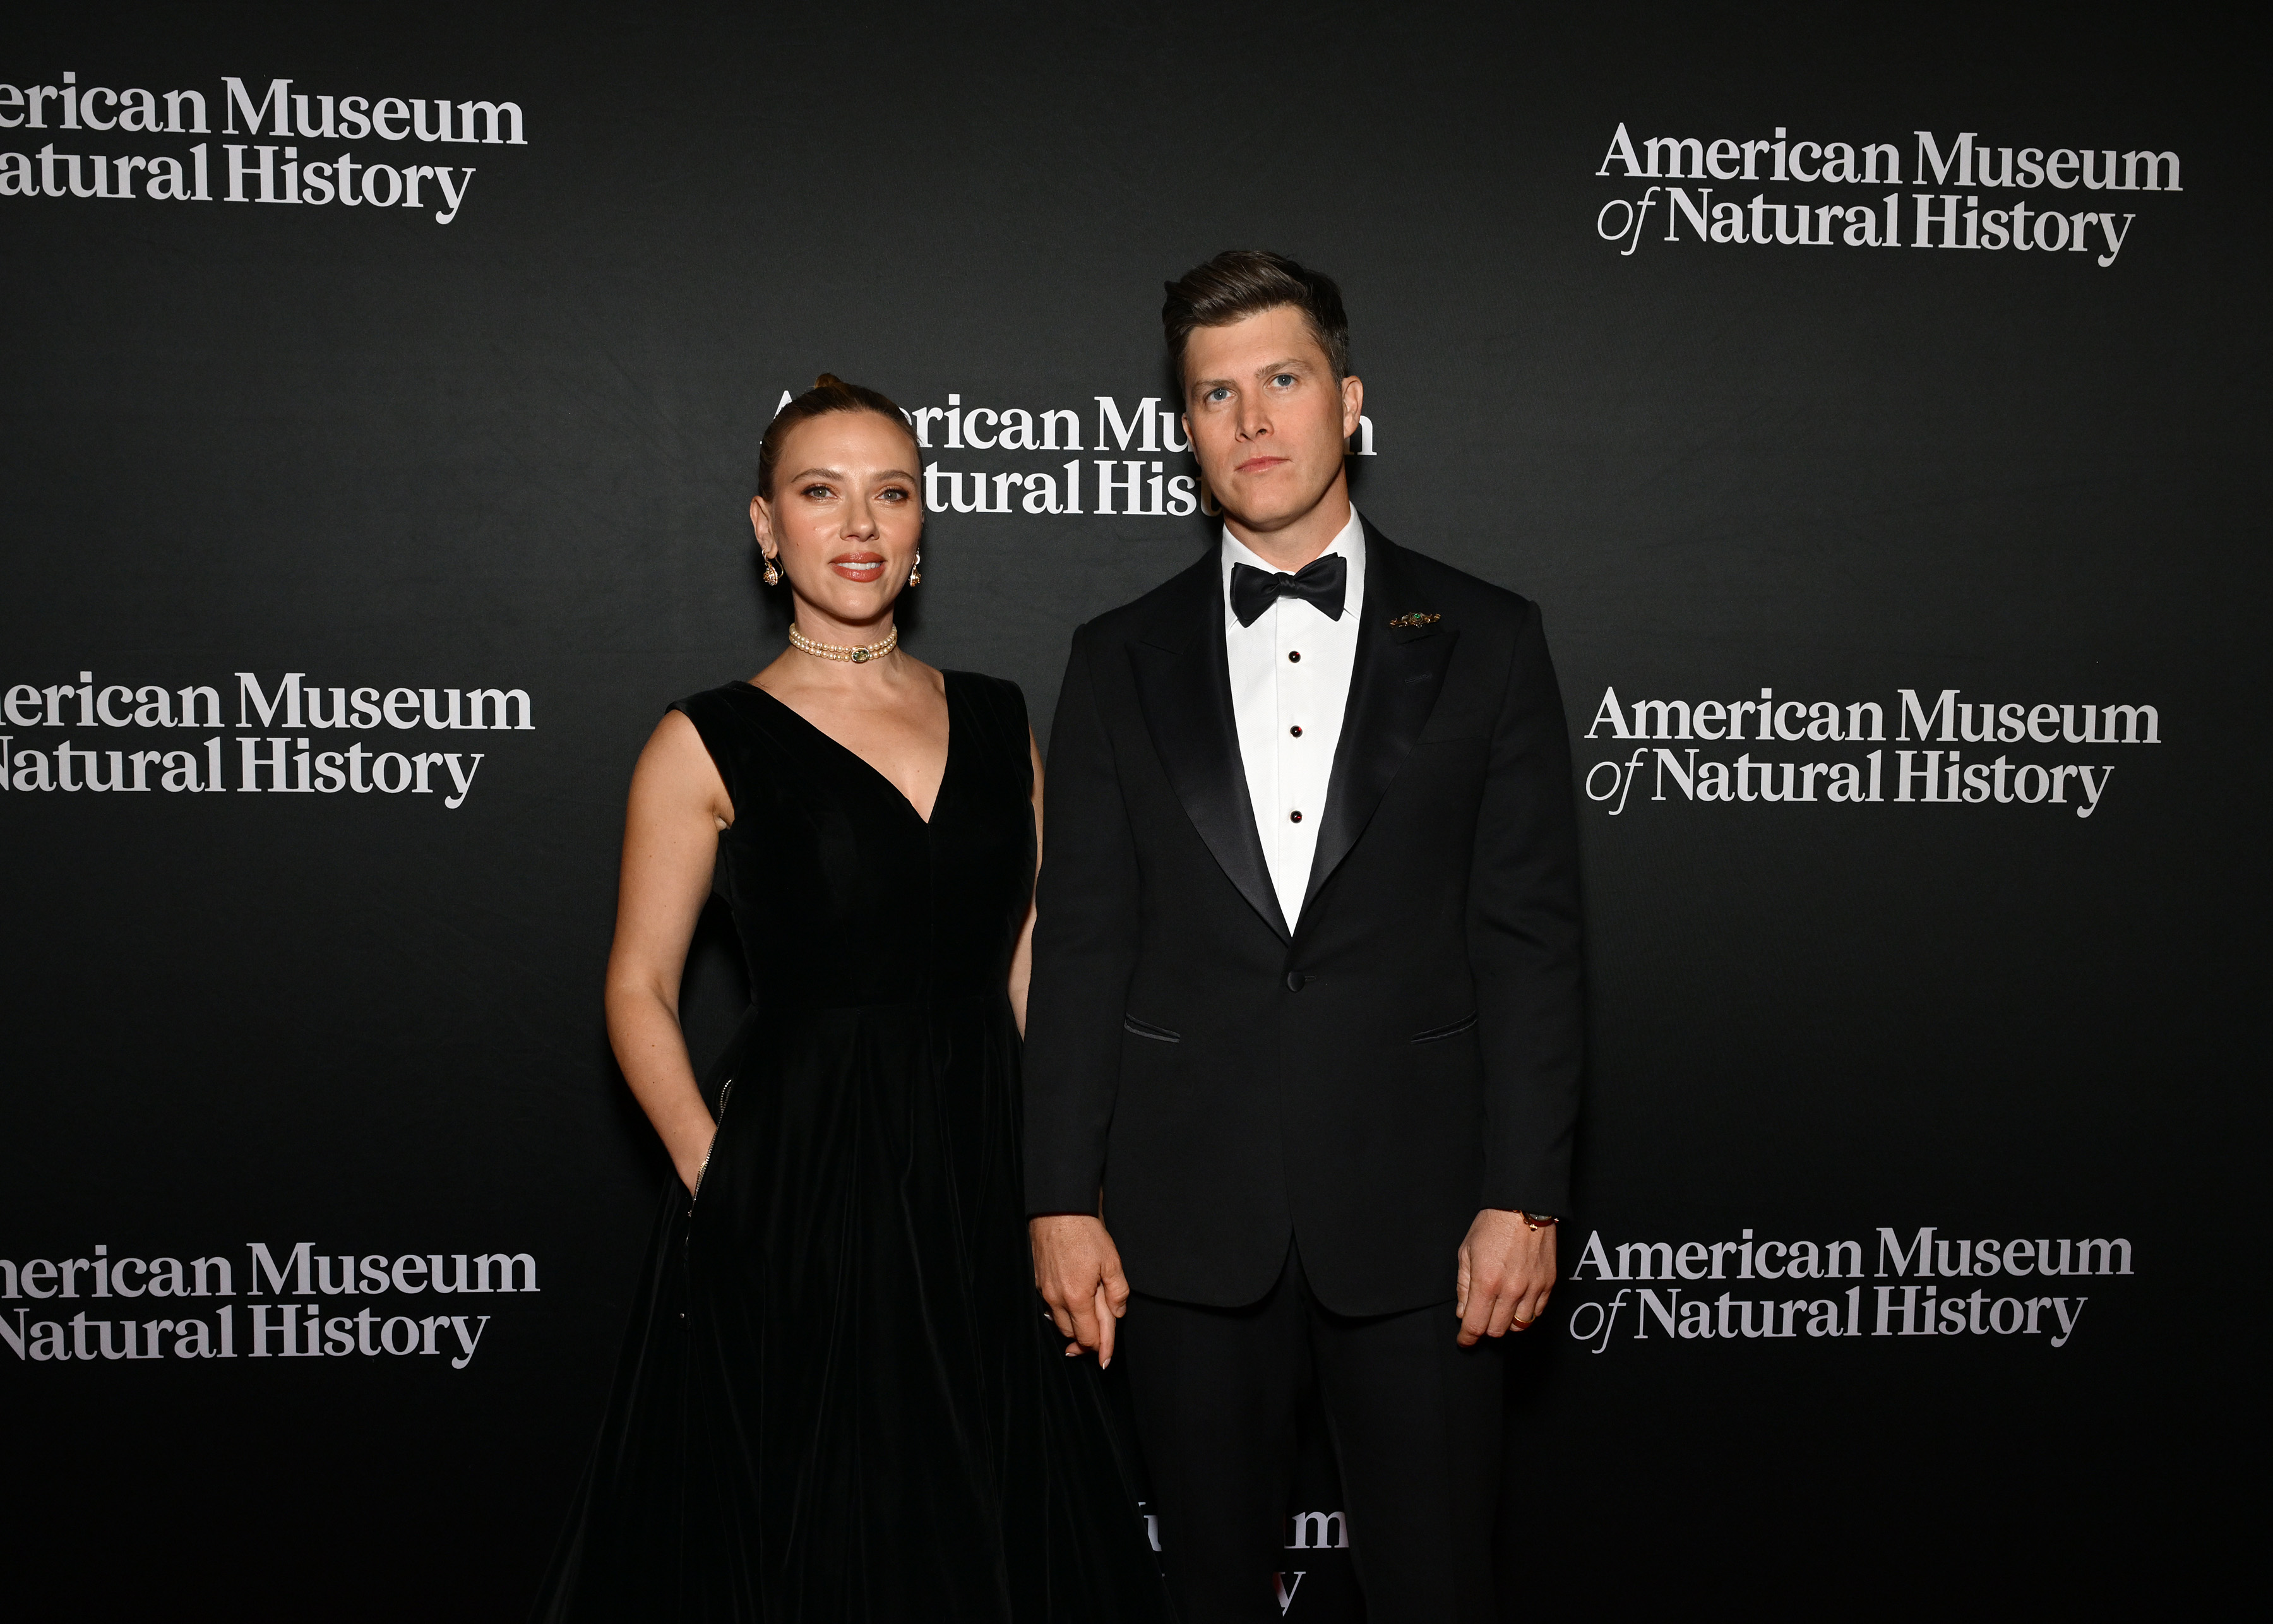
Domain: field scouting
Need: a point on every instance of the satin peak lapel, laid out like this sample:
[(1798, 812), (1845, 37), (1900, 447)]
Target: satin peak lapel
[(1183, 683), (1393, 686)]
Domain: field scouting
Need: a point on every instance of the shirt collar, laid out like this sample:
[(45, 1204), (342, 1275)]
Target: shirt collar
[(1350, 543)]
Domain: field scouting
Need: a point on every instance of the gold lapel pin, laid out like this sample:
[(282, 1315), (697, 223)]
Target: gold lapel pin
[(1413, 620)]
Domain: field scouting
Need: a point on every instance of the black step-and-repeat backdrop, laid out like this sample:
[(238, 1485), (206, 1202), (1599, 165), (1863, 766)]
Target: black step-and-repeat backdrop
[(1874, 400)]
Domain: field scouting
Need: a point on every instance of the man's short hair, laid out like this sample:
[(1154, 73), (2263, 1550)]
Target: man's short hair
[(1239, 283)]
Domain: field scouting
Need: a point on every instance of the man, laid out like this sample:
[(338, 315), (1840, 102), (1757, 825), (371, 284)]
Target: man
[(1306, 1004)]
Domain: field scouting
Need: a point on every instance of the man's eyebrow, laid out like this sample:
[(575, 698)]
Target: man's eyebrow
[(1290, 363)]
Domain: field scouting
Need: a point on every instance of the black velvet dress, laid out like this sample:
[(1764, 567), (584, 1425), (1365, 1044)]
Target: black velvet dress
[(840, 1398)]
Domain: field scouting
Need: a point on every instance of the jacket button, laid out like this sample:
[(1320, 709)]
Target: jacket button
[(1294, 980)]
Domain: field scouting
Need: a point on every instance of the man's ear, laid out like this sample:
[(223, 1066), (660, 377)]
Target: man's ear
[(1353, 405)]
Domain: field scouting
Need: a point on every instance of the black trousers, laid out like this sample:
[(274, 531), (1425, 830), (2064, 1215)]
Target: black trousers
[(1414, 1420)]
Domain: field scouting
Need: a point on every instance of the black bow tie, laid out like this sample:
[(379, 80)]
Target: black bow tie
[(1320, 583)]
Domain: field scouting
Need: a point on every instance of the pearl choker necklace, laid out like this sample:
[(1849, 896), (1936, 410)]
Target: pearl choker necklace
[(859, 654)]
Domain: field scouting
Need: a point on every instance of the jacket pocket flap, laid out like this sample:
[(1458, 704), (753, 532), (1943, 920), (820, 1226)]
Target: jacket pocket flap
[(1438, 1033)]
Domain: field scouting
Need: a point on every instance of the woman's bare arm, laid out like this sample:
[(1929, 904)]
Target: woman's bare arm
[(1022, 962), (678, 804)]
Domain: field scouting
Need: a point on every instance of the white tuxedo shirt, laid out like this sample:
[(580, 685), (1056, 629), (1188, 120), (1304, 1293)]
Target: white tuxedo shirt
[(1290, 679)]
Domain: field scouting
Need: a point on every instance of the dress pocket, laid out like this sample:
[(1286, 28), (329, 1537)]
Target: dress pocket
[(1146, 1029), (703, 1172), (1437, 1035)]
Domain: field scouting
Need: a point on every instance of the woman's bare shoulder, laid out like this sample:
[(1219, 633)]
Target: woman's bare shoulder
[(676, 771)]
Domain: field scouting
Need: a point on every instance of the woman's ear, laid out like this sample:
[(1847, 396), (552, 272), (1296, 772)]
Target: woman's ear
[(762, 524)]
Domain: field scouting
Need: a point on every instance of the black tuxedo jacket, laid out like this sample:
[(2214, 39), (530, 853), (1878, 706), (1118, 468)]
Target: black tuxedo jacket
[(1410, 1054)]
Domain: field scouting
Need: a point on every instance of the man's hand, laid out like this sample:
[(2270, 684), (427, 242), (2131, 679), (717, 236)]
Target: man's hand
[(1077, 1271), (1507, 1268)]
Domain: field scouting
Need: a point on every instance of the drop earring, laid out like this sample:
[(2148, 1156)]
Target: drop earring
[(773, 574), (915, 575)]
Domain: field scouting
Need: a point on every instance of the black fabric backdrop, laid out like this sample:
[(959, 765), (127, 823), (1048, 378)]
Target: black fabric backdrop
[(512, 451)]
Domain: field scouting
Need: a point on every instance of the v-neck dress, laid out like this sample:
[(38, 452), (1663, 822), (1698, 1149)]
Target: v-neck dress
[(840, 1398)]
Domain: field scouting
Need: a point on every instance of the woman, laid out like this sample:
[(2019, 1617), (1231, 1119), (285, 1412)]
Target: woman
[(840, 1398)]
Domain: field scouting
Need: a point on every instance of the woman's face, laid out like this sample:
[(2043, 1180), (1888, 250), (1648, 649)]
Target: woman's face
[(845, 515)]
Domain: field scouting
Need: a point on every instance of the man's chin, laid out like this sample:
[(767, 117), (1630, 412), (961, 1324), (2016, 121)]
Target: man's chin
[(1273, 511)]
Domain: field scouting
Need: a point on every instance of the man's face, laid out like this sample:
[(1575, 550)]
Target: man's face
[(1266, 416)]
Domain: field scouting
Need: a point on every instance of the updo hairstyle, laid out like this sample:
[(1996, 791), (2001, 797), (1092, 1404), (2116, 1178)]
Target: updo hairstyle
[(829, 394)]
